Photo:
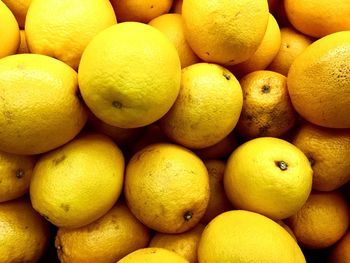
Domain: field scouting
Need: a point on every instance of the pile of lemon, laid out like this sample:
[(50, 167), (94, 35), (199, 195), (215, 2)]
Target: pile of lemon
[(174, 131)]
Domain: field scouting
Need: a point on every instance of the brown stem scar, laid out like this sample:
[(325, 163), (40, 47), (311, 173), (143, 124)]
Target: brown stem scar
[(188, 216), (117, 104), (282, 165), (20, 173), (265, 89)]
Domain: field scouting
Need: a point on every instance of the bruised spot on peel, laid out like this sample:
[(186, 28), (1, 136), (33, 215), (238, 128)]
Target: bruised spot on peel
[(58, 160)]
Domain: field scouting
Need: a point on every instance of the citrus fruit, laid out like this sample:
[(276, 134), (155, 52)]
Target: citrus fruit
[(218, 202), (265, 53), (225, 32), (267, 109), (167, 187), (340, 253), (319, 83), (15, 174), (171, 25), (23, 232), (286, 227), (39, 97), (184, 244), (140, 10), (19, 9), (329, 153), (322, 221), (139, 80), (269, 176), (318, 18), (62, 29), (78, 183), (153, 255), (23, 47), (293, 43), (207, 108), (243, 236), (9, 32), (107, 239)]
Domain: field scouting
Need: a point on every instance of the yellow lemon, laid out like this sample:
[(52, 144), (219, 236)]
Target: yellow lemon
[(129, 75), (225, 32), (40, 107), (62, 29), (243, 237), (153, 255), (78, 183), (269, 176)]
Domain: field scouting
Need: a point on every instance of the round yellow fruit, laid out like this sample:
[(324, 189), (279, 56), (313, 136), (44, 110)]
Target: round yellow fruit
[(269, 176), (24, 233), (242, 236), (207, 108), (62, 29), (78, 183), (129, 75), (319, 81), (184, 244), (225, 32), (153, 255), (167, 187), (107, 239), (40, 107), (9, 32), (15, 174)]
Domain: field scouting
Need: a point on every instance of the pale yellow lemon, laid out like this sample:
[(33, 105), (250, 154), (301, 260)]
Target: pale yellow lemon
[(153, 255)]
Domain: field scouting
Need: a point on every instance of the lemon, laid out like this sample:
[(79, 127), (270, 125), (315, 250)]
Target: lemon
[(153, 255), (129, 75)]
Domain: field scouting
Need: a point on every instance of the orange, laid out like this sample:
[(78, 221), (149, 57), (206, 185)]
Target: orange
[(293, 43), (219, 150), (167, 187), (140, 86), (340, 253), (265, 53), (62, 29), (140, 10), (322, 221), (177, 6), (9, 32), (318, 18), (23, 47), (24, 233), (218, 201), (243, 236), (207, 107), (171, 25), (225, 32), (329, 153), (267, 109), (107, 239), (19, 8), (319, 81), (15, 174), (184, 244), (76, 184), (153, 255), (40, 108), (269, 176)]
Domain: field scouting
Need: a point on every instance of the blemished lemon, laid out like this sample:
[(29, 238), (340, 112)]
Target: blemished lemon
[(207, 108), (15, 174), (107, 239), (78, 183), (269, 176), (9, 32), (153, 255), (167, 187), (322, 221), (171, 25), (62, 29), (40, 107), (184, 244), (225, 32), (243, 237), (319, 81), (24, 233), (137, 82)]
